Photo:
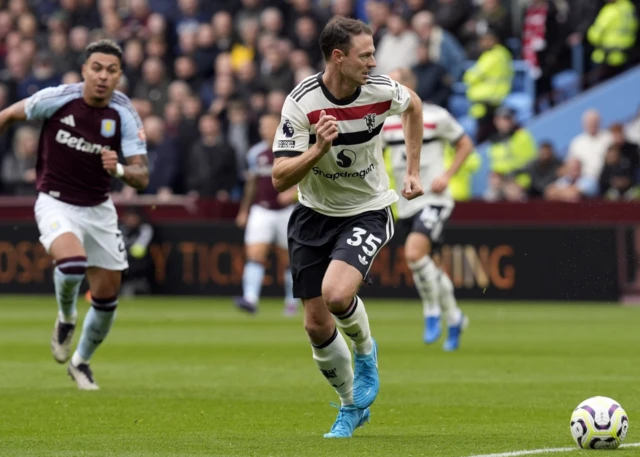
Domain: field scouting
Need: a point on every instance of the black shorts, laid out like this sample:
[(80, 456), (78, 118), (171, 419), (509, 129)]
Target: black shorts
[(430, 222), (316, 239)]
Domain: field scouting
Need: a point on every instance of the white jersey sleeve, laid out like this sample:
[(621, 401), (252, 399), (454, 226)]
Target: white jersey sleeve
[(400, 98), (448, 128), (44, 103), (134, 141), (292, 137)]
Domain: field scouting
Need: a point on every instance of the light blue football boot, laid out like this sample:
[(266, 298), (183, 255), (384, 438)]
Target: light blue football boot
[(349, 418), (453, 338), (366, 381), (432, 329)]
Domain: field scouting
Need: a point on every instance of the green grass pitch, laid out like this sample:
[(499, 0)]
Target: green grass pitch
[(193, 377)]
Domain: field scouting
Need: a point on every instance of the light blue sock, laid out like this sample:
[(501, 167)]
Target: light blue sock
[(252, 281), (97, 324), (288, 286), (67, 278)]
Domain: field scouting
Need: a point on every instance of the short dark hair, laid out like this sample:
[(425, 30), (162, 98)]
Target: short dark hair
[(103, 47), (338, 32)]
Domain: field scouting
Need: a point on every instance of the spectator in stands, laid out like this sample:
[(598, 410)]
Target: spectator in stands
[(451, 15), (490, 16), (164, 160), (43, 74), (212, 170), (378, 11), (629, 150), (397, 47), (542, 171), (19, 167), (632, 129), (433, 82), (154, 84), (510, 149), (590, 146), (444, 49), (242, 132), (613, 36), (488, 83), (275, 72), (618, 176), (581, 15), (572, 186), (543, 47), (460, 185)]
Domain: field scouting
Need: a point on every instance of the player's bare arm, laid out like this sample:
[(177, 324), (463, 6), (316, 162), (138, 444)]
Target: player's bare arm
[(11, 114), (247, 199), (464, 148), (289, 171), (412, 126), (134, 174)]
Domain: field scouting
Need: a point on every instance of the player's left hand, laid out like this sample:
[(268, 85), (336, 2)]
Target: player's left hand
[(440, 184), (412, 187), (109, 161)]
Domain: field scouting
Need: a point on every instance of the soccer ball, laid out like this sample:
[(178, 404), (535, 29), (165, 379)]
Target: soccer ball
[(599, 423)]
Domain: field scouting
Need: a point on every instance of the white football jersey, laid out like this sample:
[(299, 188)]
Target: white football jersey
[(440, 128), (351, 178)]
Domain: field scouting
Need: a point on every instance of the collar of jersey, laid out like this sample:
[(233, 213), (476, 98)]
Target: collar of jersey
[(336, 101)]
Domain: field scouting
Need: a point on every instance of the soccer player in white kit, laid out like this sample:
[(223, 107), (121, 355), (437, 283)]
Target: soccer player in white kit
[(85, 125), (423, 218), (328, 144), (264, 214)]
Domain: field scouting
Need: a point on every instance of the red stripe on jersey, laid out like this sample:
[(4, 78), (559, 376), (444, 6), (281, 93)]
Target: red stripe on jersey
[(427, 126), (351, 113)]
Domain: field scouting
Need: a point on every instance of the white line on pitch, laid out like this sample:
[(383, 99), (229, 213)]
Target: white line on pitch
[(542, 451)]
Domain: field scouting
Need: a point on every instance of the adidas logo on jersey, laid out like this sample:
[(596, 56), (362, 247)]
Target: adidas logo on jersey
[(69, 120), (79, 144)]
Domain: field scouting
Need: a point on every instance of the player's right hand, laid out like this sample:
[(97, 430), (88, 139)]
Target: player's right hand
[(326, 131)]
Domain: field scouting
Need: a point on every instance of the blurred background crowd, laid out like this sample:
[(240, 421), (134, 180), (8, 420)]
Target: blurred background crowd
[(202, 72)]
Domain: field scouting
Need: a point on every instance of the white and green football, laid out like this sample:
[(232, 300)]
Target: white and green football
[(599, 423)]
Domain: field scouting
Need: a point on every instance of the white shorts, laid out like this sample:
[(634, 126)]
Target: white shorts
[(95, 226), (267, 226)]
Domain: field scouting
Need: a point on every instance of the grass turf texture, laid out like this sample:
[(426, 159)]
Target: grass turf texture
[(186, 376)]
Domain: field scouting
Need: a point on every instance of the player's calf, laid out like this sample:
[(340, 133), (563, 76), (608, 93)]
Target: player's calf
[(425, 278), (95, 329), (68, 275)]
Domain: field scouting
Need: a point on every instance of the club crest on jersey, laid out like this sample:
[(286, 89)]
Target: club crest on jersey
[(287, 128), (108, 128), (370, 120)]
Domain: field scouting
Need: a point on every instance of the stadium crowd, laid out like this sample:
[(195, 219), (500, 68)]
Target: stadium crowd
[(200, 73)]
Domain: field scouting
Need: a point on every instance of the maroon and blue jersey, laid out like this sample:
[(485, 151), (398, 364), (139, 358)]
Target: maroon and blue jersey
[(73, 136)]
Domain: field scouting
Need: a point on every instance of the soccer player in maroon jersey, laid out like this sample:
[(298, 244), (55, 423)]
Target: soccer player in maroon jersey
[(264, 214), (85, 126)]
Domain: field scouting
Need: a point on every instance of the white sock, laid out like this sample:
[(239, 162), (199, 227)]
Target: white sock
[(288, 287), (334, 360), (355, 324), (67, 278), (252, 281), (425, 277), (448, 300), (96, 326)]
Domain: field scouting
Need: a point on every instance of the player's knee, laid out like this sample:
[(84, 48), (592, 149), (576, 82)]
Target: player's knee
[(317, 328), (413, 254), (337, 298)]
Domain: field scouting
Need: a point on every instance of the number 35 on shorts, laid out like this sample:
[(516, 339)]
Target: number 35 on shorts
[(370, 244)]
